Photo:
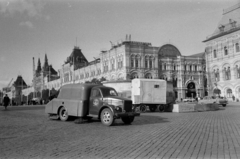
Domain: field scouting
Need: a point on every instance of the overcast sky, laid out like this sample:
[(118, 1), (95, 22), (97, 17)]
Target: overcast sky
[(31, 28)]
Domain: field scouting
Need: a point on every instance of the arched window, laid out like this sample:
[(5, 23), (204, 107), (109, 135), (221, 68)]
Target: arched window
[(137, 61), (148, 76), (150, 63), (237, 47), (134, 75), (132, 61), (225, 51), (214, 53), (238, 71)]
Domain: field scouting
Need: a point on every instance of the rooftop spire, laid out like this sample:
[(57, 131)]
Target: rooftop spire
[(39, 66)]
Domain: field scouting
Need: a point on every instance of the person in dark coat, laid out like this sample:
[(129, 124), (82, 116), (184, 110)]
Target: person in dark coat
[(6, 101)]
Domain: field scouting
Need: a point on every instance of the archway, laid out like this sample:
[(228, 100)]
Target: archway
[(229, 93), (191, 90), (238, 93)]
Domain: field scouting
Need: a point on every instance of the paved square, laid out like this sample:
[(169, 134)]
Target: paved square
[(26, 132)]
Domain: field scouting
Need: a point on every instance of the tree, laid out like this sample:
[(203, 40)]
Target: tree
[(102, 79)]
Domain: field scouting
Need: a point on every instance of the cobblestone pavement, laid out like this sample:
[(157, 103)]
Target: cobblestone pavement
[(26, 132)]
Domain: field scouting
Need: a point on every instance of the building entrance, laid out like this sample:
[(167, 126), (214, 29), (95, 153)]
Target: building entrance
[(191, 90)]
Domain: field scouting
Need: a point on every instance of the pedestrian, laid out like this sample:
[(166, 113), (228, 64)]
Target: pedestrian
[(233, 97), (6, 101), (196, 99)]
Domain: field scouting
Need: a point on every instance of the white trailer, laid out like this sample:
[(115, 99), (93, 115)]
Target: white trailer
[(154, 93)]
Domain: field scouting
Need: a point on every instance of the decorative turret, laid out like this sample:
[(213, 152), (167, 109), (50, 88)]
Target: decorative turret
[(45, 66), (39, 69)]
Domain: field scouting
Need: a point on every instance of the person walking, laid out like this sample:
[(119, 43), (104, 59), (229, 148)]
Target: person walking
[(6, 101)]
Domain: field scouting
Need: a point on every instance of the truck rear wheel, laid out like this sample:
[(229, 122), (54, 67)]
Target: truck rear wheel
[(152, 108), (107, 117), (63, 114), (224, 105), (161, 107), (128, 119)]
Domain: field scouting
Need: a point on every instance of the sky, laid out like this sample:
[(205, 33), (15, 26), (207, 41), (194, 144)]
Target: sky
[(33, 28)]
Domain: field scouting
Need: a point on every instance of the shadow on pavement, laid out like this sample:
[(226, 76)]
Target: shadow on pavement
[(142, 120), (23, 108)]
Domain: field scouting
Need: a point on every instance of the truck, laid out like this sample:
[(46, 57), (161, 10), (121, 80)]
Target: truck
[(154, 93), (85, 101)]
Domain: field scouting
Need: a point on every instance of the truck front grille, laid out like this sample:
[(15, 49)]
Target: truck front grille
[(128, 106)]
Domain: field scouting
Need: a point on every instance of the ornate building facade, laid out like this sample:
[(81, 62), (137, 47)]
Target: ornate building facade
[(131, 59), (223, 55), (42, 75)]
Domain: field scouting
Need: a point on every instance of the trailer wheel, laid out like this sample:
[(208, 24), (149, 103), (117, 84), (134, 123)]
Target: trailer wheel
[(161, 107), (143, 108), (128, 119), (63, 114), (153, 108), (107, 117)]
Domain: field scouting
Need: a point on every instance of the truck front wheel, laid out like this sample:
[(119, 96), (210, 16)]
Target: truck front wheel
[(107, 117), (63, 114), (128, 120)]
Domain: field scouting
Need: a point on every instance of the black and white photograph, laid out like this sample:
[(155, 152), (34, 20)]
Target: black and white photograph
[(119, 79)]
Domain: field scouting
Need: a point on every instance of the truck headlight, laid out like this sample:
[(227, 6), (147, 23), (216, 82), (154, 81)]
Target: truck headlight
[(118, 108)]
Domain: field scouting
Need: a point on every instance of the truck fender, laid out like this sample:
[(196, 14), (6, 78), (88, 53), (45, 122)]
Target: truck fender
[(60, 108), (103, 107)]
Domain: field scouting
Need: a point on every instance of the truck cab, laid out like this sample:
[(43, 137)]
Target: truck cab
[(91, 100)]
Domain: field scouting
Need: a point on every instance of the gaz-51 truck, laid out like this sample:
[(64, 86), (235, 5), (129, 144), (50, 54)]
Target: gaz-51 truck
[(91, 100)]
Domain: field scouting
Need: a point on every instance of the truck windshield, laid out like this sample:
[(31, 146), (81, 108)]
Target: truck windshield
[(108, 92)]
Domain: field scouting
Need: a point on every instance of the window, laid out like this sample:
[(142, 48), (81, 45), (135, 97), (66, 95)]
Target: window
[(136, 63), (96, 93), (227, 73), (225, 51), (238, 71), (150, 63), (237, 47), (132, 62), (146, 63), (214, 53), (113, 62)]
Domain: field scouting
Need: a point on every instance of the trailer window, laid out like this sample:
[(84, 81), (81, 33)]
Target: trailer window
[(156, 86)]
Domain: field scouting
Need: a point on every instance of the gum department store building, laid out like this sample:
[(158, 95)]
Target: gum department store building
[(215, 71), (130, 59)]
